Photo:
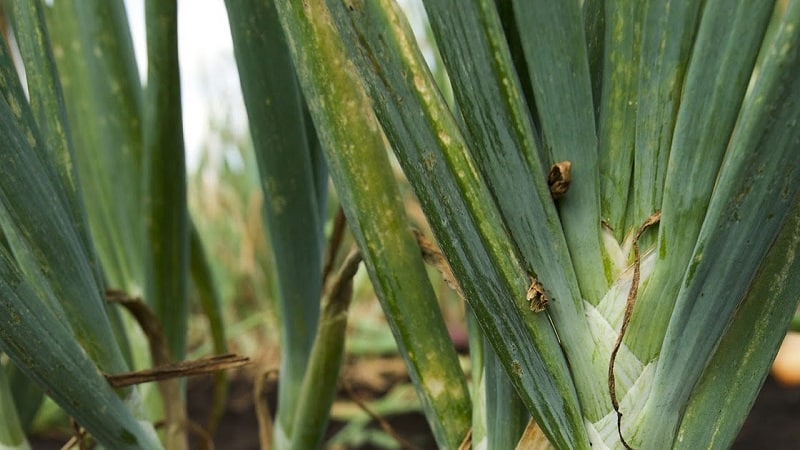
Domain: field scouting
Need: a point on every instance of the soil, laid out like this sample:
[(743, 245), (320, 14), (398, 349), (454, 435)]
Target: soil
[(773, 421)]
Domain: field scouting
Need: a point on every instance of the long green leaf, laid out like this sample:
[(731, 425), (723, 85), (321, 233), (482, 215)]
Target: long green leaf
[(40, 230), (165, 176), (94, 53), (714, 88), (321, 380), (731, 382), (28, 396), (506, 415), (595, 18), (275, 110), (360, 168), (498, 414), (167, 217), (755, 190), (616, 127), (460, 208), (668, 29), (558, 67), (47, 103), (43, 347)]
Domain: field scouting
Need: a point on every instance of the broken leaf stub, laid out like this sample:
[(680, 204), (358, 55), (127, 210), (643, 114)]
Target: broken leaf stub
[(536, 297), (559, 179)]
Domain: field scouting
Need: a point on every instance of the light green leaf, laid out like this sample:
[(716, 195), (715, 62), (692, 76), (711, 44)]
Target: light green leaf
[(275, 109)]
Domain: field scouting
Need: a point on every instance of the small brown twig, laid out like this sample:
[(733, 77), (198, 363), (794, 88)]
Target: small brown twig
[(195, 428), (77, 437), (334, 243), (385, 426), (149, 323), (265, 425), (340, 292), (434, 257), (629, 303), (466, 443), (178, 370)]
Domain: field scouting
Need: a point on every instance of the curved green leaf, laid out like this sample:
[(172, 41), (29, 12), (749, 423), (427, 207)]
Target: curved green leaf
[(45, 349), (40, 230), (167, 223), (47, 103)]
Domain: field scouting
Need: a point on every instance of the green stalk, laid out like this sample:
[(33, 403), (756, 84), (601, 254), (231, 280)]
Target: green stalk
[(291, 186), (12, 436), (477, 359), (558, 67), (360, 168), (459, 206), (28, 396), (165, 176), (506, 416), (209, 299), (714, 87), (498, 415), (320, 381)]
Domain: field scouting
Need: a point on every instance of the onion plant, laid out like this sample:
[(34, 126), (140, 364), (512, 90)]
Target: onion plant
[(612, 188), (663, 276)]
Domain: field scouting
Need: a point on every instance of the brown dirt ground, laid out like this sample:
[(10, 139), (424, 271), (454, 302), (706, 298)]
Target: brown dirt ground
[(773, 422)]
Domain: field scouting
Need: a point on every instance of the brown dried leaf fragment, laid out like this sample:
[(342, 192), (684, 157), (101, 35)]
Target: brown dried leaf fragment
[(559, 179), (182, 369), (536, 296), (626, 319), (434, 257)]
